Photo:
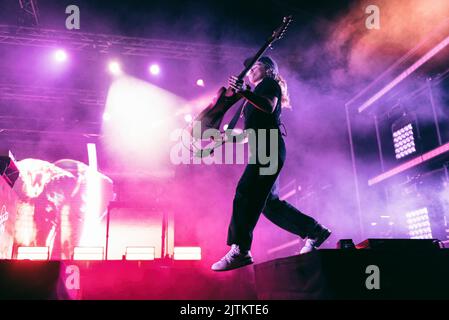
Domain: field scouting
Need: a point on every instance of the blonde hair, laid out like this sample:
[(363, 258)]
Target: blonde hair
[(285, 99), (274, 74)]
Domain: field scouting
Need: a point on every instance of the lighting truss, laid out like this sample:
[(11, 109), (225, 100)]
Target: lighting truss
[(128, 46), (29, 11), (51, 94)]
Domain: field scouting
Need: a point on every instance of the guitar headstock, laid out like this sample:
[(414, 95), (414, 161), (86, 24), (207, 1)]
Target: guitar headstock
[(280, 31)]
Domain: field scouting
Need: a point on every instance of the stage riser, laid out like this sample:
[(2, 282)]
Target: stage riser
[(340, 274), (104, 280), (324, 274)]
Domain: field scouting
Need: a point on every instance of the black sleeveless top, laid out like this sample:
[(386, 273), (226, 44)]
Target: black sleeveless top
[(257, 119)]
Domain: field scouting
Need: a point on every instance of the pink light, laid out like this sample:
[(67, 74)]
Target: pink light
[(154, 69), (60, 55), (396, 170), (288, 194), (114, 68), (409, 164), (200, 83)]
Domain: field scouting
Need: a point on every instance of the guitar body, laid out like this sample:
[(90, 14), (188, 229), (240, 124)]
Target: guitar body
[(213, 114)]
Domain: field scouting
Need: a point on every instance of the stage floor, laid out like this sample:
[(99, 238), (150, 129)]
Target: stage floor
[(323, 274)]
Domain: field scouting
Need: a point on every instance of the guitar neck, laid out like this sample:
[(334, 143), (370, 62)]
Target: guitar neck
[(254, 59), (277, 34)]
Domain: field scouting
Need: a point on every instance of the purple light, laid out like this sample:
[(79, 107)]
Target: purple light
[(60, 55), (154, 69), (200, 83), (114, 68)]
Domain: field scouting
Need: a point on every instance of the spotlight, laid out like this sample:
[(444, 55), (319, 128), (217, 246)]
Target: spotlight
[(404, 141), (419, 226), (188, 118), (115, 68), (200, 83), (154, 69), (106, 116), (60, 55)]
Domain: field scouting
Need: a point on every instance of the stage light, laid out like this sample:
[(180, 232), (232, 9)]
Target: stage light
[(60, 55), (225, 127), (92, 155), (418, 223), (404, 141), (33, 253), (187, 253), (188, 118), (141, 123), (154, 69), (106, 116), (115, 68), (200, 83), (88, 253), (92, 199), (140, 253)]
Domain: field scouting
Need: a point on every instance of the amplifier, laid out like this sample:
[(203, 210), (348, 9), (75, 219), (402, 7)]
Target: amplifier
[(400, 244)]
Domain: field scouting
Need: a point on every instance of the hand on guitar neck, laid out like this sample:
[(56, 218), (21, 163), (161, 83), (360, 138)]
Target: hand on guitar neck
[(234, 90)]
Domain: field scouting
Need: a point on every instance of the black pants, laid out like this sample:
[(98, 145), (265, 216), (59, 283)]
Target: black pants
[(256, 194)]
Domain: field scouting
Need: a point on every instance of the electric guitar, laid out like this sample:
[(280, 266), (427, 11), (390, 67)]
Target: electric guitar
[(212, 115)]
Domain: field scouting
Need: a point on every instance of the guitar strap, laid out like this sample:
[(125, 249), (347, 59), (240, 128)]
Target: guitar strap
[(236, 116)]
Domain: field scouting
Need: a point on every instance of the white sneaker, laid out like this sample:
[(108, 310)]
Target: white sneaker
[(317, 240), (233, 259)]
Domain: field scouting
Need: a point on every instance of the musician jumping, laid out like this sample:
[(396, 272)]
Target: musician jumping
[(257, 192)]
